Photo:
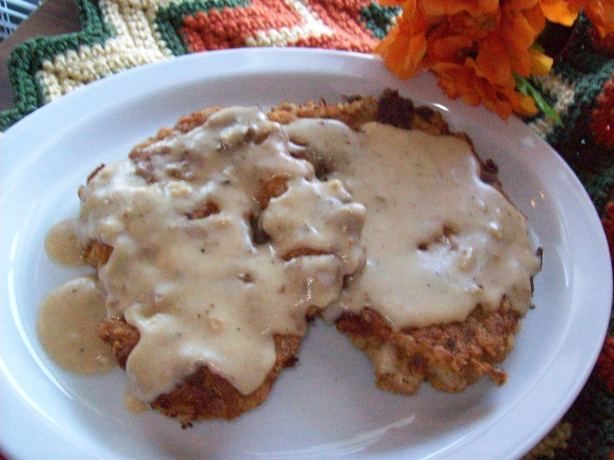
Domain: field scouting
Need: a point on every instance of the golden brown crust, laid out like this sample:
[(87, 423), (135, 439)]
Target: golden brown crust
[(203, 395), (389, 108), (208, 208), (96, 253), (449, 356), (206, 395), (353, 114), (121, 336), (272, 188)]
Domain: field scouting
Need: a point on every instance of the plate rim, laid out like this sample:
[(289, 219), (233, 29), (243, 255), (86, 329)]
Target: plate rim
[(259, 56)]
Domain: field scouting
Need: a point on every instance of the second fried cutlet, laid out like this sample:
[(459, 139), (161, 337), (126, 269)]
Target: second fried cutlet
[(449, 353)]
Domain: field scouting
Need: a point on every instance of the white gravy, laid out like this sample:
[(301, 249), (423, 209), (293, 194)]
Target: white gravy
[(67, 324), (201, 291), (439, 240), (62, 243)]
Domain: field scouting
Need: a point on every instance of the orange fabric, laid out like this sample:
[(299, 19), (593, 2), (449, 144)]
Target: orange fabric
[(232, 27)]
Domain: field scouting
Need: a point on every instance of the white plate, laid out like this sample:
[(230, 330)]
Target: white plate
[(327, 405)]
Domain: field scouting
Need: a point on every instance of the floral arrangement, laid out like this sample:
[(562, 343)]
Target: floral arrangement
[(484, 51)]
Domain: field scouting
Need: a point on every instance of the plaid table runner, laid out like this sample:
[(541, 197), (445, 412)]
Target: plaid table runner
[(120, 34)]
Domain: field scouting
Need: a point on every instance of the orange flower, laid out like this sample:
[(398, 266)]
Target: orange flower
[(403, 49), (450, 7), (536, 18), (521, 26), (464, 81), (526, 105), (521, 4), (494, 61), (601, 14), (456, 80), (477, 47), (499, 97), (391, 2), (518, 29), (560, 11), (540, 63), (476, 27), (451, 48)]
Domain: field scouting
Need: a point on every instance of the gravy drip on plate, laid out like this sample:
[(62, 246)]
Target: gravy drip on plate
[(67, 324), (62, 243), (439, 240), (134, 404), (202, 264)]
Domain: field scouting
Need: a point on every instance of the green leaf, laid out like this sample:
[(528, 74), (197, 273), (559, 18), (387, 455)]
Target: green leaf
[(525, 87)]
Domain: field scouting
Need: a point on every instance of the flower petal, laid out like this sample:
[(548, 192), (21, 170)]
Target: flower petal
[(540, 63), (451, 7), (601, 14), (402, 54), (517, 30), (494, 61), (452, 48), (559, 11)]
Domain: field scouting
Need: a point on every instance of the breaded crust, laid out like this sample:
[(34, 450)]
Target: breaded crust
[(448, 356), (203, 394)]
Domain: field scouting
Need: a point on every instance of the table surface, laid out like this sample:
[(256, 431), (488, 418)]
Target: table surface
[(52, 18)]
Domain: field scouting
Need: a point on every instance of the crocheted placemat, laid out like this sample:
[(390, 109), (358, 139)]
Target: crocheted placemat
[(119, 34)]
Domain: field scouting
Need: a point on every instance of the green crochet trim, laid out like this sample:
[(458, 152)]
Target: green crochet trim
[(27, 58), (169, 20), (578, 55), (573, 140), (588, 87), (378, 19), (598, 185), (592, 420)]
